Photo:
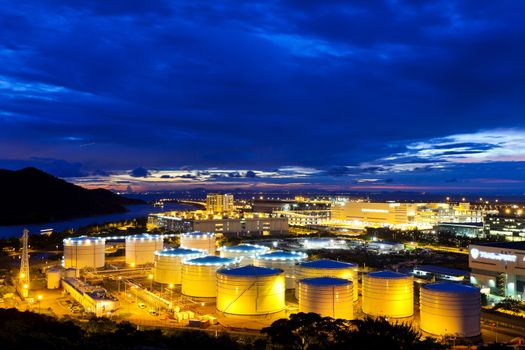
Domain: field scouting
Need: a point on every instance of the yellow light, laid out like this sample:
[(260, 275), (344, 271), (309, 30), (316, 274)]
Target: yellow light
[(119, 277), (170, 286), (22, 275), (26, 286), (39, 297), (150, 276), (132, 264)]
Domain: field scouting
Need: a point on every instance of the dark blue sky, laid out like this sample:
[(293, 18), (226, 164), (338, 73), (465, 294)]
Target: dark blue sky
[(419, 95)]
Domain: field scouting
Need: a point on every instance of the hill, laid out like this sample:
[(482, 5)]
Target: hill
[(30, 196)]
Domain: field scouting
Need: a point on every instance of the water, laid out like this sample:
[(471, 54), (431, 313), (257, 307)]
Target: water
[(135, 211)]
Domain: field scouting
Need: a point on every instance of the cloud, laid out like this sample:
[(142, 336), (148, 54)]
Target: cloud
[(139, 172)]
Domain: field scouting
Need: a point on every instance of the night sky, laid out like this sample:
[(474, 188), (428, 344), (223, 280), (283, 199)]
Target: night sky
[(353, 95)]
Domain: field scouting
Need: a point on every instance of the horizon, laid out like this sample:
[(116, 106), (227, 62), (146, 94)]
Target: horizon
[(300, 96)]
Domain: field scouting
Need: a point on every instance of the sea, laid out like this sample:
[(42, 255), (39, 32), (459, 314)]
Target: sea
[(134, 211)]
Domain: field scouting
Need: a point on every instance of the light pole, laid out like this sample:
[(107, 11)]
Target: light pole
[(119, 278), (39, 297), (150, 277)]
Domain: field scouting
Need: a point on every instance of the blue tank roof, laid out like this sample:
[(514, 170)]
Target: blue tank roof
[(245, 248), (211, 260), (386, 274), (325, 281), (282, 255), (448, 287), (327, 264), (250, 270), (179, 252)]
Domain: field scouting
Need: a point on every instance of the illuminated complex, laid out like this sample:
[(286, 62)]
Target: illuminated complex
[(388, 294), (327, 296), (499, 268)]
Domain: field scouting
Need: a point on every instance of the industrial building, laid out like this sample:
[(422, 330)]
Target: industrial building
[(403, 215), (499, 268), (439, 273), (217, 203), (511, 226), (471, 229), (246, 225), (93, 298), (386, 247)]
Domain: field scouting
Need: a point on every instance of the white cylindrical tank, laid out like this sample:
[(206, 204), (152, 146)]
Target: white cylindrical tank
[(450, 309), (327, 296), (388, 294), (199, 275), (168, 264), (250, 290), (140, 248), (245, 252), (53, 278), (283, 260), (327, 268), (84, 252), (199, 240)]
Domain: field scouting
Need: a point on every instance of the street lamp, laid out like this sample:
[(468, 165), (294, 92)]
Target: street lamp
[(150, 276), (171, 291), (39, 297), (119, 278)]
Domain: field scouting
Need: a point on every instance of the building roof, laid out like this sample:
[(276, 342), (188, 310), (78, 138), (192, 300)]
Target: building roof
[(211, 260), (325, 281), (441, 270), (248, 248), (506, 245), (461, 224), (250, 270), (83, 239), (283, 255), (179, 252), (327, 264), (451, 288), (386, 274)]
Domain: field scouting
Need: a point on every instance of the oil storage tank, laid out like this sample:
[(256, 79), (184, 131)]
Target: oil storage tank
[(450, 309), (140, 248), (167, 267), (326, 268), (245, 252), (388, 294), (284, 260), (199, 240), (327, 296), (199, 275), (250, 290), (84, 252), (54, 275)]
